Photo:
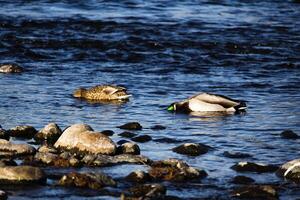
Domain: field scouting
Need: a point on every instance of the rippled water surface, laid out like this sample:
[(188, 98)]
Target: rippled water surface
[(162, 51)]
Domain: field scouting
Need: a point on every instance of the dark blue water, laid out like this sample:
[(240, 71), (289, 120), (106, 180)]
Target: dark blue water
[(162, 51)]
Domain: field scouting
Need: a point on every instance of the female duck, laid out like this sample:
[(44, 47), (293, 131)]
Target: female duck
[(102, 92), (205, 102)]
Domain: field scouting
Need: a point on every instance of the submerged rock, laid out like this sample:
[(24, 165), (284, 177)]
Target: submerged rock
[(22, 132), (81, 138), (242, 180), (127, 134), (191, 149), (3, 195), (254, 167), (138, 177), (49, 133), (8, 149), (290, 170), (174, 170), (157, 127), (146, 191), (142, 138), (255, 192), (21, 175), (236, 155), (107, 132), (87, 180), (10, 68), (289, 134), (129, 148), (131, 126)]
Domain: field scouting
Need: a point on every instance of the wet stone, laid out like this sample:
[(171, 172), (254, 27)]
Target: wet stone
[(50, 159), (3, 195), (242, 180), (107, 132), (167, 140), (254, 167), (21, 175), (22, 132), (105, 160), (87, 180), (127, 134), (8, 149), (228, 154), (129, 148), (255, 192), (131, 126), (138, 177), (4, 134), (120, 142), (10, 68), (49, 133), (47, 149), (289, 134), (142, 138), (7, 162), (80, 138), (290, 170), (147, 191), (174, 170), (191, 149), (157, 127)]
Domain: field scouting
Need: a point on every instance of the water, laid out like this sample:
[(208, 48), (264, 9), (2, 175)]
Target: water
[(162, 51)]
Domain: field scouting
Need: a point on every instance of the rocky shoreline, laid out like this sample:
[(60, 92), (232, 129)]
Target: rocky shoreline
[(80, 146)]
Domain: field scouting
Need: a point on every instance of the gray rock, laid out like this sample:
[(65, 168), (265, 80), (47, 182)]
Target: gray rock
[(254, 167), (49, 133), (8, 149), (174, 170), (138, 177), (87, 180), (131, 126), (255, 192), (191, 149), (21, 175), (3, 195), (22, 132), (290, 170), (10, 68), (81, 138), (129, 148)]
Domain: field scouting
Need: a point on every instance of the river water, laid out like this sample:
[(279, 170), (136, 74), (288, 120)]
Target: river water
[(162, 51)]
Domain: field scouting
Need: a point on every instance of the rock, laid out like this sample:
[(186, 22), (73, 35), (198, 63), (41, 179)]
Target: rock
[(4, 134), (142, 138), (120, 142), (290, 170), (167, 140), (191, 149), (107, 132), (253, 167), (3, 195), (242, 180), (255, 192), (158, 127), (131, 126), (49, 133), (7, 162), (8, 149), (10, 68), (22, 132), (79, 138), (147, 191), (129, 148), (289, 134), (21, 175), (86, 180), (174, 170), (138, 177), (47, 149), (127, 134), (236, 155)]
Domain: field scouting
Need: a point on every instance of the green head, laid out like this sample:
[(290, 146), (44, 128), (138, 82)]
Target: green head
[(172, 107)]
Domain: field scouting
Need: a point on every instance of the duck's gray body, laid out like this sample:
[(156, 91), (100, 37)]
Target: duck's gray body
[(205, 102), (102, 92)]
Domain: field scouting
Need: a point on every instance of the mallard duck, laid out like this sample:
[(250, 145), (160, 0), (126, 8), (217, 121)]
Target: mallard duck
[(205, 102), (102, 92)]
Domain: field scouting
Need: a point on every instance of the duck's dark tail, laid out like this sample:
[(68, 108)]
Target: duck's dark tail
[(241, 107)]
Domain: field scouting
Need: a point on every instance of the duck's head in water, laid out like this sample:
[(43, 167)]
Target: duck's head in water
[(79, 93), (182, 107), (172, 107)]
